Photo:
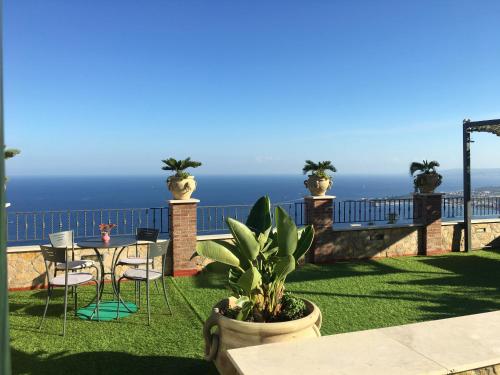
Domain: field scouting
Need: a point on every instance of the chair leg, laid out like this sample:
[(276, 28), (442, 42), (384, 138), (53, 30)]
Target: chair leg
[(49, 294), (147, 302), (157, 287), (118, 287), (97, 298), (76, 300), (165, 294), (65, 308), (139, 290)]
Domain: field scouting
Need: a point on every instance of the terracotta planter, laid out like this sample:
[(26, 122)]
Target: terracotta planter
[(318, 186), (222, 333), (427, 182), (181, 188)]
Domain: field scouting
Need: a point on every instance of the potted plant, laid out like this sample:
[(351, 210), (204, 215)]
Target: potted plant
[(259, 261), (181, 184), (428, 180), (319, 181)]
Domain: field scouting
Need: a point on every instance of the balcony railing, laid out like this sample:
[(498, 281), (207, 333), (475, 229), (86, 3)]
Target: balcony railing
[(212, 219), (374, 210), (34, 227), (453, 207)]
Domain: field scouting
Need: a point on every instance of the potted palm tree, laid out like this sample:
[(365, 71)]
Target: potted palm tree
[(318, 181), (259, 311), (428, 179), (181, 184)]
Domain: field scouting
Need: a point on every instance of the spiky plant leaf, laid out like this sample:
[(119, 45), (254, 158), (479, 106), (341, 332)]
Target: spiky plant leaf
[(286, 232)]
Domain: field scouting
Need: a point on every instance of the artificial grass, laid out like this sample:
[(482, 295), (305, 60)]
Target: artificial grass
[(352, 296)]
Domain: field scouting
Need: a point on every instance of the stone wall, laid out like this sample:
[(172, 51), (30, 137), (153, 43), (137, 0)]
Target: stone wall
[(485, 233), (368, 242)]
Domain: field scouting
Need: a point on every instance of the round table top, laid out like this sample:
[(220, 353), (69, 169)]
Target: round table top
[(118, 241)]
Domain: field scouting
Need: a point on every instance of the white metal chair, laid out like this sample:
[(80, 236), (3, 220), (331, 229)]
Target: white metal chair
[(148, 274), (53, 256)]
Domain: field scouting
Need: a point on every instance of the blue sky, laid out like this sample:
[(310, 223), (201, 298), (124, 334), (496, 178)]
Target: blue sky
[(248, 87)]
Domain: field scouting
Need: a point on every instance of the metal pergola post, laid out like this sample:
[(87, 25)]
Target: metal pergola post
[(467, 187), (488, 126)]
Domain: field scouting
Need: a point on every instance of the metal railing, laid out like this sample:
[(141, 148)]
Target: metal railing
[(374, 210), (453, 207), (34, 227), (212, 219)]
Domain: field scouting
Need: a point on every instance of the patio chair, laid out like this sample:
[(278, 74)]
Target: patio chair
[(148, 274), (146, 235), (53, 256), (65, 239)]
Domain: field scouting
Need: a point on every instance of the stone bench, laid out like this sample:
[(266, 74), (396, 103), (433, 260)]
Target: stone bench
[(446, 346)]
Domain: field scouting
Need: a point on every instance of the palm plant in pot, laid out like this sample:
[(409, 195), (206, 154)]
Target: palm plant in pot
[(428, 179), (181, 184), (259, 261), (319, 181)]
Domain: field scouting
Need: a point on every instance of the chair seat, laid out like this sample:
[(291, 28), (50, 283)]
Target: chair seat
[(75, 264), (73, 279), (134, 261), (140, 274)]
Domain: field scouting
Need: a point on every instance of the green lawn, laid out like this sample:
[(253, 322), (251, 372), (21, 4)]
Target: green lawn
[(352, 296)]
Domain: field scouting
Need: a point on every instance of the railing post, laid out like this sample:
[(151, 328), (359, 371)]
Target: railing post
[(182, 228), (428, 211), (319, 214)]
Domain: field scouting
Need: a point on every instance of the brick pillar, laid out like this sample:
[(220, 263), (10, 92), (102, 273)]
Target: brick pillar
[(319, 213), (182, 228), (427, 209)]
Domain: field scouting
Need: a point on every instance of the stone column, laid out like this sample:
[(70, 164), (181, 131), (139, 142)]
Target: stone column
[(319, 213), (182, 227), (427, 209)]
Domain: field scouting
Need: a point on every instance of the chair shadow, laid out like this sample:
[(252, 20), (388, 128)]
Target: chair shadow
[(106, 363)]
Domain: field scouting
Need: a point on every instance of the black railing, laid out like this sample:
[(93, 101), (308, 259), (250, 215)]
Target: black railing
[(374, 210), (34, 227), (453, 207), (212, 219)]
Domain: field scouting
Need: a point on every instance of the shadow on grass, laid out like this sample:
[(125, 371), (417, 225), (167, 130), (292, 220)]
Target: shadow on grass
[(106, 363)]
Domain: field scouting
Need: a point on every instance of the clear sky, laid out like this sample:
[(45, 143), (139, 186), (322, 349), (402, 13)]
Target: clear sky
[(248, 87)]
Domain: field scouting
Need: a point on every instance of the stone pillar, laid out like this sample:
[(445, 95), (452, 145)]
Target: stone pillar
[(319, 213), (427, 209), (182, 227)]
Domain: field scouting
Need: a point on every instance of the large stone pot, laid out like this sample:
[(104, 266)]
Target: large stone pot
[(222, 333), (427, 182), (317, 185), (181, 188)]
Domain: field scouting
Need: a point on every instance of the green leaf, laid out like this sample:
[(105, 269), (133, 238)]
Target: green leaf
[(284, 266), (217, 252), (244, 262), (266, 254), (306, 237), (245, 239), (250, 280), (245, 311), (286, 233), (259, 218)]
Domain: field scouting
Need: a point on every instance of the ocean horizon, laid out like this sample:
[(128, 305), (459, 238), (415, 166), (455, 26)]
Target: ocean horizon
[(43, 193)]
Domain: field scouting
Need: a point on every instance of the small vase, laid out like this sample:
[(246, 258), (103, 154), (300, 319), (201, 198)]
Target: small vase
[(105, 236)]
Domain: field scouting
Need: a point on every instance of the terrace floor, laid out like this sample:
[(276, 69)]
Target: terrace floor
[(352, 296)]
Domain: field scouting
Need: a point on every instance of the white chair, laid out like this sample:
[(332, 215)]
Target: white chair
[(53, 256)]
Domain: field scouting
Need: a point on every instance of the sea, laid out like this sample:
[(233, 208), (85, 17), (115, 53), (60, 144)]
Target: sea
[(45, 193)]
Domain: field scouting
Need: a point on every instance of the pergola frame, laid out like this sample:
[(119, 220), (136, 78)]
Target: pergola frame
[(489, 126)]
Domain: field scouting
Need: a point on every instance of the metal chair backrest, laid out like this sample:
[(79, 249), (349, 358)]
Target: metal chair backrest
[(62, 239), (156, 250), (147, 234), (53, 255)]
